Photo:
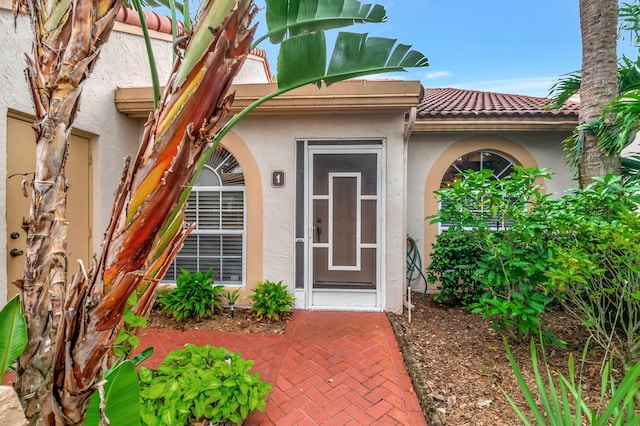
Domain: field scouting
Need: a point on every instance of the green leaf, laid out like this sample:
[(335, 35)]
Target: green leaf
[(302, 59), (14, 333), (291, 18), (122, 398)]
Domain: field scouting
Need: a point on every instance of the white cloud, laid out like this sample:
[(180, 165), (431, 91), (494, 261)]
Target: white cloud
[(437, 74)]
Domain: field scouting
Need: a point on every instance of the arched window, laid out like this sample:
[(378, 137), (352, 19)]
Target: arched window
[(477, 160), (216, 207)]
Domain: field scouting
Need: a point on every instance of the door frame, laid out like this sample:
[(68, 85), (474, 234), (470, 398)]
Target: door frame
[(375, 301), (76, 233)]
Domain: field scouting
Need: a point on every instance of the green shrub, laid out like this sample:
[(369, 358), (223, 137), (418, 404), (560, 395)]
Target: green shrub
[(500, 272), (596, 269), (194, 295), (453, 262), (271, 300), (198, 383)]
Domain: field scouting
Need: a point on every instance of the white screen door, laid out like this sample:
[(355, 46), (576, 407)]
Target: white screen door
[(344, 205)]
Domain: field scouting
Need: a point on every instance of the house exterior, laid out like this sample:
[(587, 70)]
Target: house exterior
[(317, 188)]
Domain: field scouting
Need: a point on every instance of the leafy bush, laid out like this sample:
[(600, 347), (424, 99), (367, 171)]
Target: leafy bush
[(271, 300), (453, 262), (194, 295), (561, 402), (596, 269), (502, 277), (198, 383)]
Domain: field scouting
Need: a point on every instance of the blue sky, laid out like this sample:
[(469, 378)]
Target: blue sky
[(507, 46)]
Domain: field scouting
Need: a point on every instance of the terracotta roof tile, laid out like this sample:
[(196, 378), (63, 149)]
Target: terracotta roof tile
[(155, 21), (457, 103)]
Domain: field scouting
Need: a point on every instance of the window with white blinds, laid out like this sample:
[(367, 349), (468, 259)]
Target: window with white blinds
[(216, 207)]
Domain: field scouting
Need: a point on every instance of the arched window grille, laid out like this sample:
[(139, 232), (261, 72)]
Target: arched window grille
[(217, 208), (477, 160)]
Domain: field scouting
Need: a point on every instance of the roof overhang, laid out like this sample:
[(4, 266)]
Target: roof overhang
[(469, 124), (347, 97)]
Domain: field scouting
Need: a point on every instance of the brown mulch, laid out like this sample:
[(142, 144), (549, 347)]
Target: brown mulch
[(463, 363), (242, 321)]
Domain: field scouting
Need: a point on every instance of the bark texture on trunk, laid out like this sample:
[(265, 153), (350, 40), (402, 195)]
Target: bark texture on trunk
[(71, 330), (65, 48), (145, 233), (599, 86)]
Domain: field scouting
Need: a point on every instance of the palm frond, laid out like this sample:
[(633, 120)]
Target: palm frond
[(631, 168), (625, 110), (630, 21), (628, 74), (564, 89)]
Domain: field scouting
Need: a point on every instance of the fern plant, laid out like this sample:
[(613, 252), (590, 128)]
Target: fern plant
[(194, 296)]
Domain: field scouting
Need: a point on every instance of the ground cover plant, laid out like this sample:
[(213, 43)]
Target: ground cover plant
[(560, 402), (200, 383)]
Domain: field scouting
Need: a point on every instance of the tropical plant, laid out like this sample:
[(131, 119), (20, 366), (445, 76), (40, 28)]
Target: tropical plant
[(596, 269), (507, 219), (559, 402), (147, 226), (631, 168), (194, 296), (271, 300), (231, 297), (453, 262), (14, 333), (200, 383), (117, 399)]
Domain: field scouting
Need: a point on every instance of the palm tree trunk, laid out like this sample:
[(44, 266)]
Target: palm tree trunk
[(599, 86), (65, 49)]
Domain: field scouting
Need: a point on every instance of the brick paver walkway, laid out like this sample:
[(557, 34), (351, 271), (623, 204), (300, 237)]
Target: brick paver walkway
[(335, 368)]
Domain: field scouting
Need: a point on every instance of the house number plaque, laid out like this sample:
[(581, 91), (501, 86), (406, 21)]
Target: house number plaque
[(277, 178)]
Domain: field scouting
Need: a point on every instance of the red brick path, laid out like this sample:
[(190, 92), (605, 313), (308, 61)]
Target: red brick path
[(335, 368)]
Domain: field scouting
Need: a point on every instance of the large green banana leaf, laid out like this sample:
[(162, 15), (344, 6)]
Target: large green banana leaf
[(122, 398), (302, 59), (13, 333), (294, 17)]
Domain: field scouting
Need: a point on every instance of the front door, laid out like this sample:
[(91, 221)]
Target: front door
[(344, 222), (21, 150)]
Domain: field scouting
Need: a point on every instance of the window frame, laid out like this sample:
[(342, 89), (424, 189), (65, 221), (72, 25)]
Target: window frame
[(219, 189)]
